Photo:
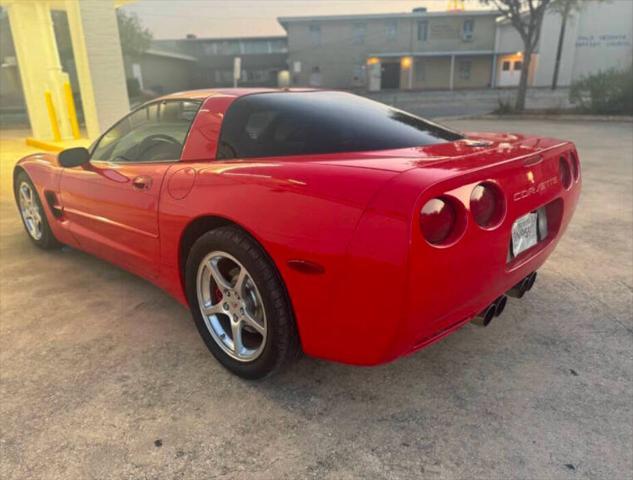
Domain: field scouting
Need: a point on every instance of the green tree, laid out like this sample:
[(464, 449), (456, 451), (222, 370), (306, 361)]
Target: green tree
[(526, 16), (135, 38)]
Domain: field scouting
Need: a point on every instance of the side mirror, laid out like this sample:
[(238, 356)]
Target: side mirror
[(73, 157)]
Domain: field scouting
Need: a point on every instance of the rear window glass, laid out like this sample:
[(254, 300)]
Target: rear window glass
[(303, 123)]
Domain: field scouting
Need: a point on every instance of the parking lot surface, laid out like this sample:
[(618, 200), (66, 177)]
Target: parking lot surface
[(102, 375)]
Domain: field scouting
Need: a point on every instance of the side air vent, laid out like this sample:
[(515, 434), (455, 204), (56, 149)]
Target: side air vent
[(53, 203)]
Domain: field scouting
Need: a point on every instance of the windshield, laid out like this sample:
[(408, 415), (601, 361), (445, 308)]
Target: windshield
[(303, 123)]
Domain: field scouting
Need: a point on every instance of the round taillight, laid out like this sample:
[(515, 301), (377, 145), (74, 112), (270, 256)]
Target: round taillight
[(575, 168), (564, 172), (487, 205), (437, 220)]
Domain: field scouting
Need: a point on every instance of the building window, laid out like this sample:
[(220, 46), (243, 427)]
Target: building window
[(464, 69), (423, 30), (315, 35), (210, 48), (506, 66), (358, 33), (255, 46), (468, 28), (518, 66), (391, 29), (278, 45), (229, 47)]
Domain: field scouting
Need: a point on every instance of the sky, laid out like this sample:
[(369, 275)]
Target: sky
[(244, 18)]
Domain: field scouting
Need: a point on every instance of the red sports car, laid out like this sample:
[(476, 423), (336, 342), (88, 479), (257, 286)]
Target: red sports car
[(303, 220)]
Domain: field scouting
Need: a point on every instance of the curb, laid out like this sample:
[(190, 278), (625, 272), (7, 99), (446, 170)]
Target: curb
[(554, 117), (57, 147)]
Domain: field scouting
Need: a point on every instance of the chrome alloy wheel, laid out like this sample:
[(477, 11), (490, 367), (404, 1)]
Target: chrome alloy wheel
[(30, 210), (231, 306)]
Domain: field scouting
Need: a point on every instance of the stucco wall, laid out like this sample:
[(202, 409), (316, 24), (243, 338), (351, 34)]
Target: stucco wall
[(598, 37), (339, 57), (605, 37), (436, 73), (480, 71), (445, 34)]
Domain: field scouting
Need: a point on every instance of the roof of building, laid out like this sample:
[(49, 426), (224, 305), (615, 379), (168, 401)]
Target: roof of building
[(378, 16), (445, 53), (221, 39), (177, 56), (227, 92)]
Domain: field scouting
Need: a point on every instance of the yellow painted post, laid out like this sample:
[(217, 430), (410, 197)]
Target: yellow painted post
[(72, 112), (52, 116)]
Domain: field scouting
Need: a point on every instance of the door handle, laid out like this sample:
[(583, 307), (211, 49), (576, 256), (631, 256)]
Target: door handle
[(142, 182)]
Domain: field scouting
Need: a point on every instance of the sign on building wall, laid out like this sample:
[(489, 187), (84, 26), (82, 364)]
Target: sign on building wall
[(608, 40), (444, 30)]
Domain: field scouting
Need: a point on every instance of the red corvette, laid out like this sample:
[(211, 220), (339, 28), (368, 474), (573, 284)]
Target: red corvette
[(304, 220)]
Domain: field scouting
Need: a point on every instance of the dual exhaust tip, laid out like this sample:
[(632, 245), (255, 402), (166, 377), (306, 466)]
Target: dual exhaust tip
[(497, 307), (493, 310), (523, 286)]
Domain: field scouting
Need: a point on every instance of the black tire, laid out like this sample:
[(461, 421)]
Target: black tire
[(47, 240), (281, 345)]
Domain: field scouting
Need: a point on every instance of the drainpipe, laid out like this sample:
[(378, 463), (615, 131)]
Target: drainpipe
[(493, 70), (451, 80)]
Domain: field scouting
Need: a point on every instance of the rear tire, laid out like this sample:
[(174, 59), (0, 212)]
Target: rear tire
[(239, 304), (33, 214)]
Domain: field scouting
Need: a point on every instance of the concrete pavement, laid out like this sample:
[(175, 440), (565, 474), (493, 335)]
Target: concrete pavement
[(104, 376)]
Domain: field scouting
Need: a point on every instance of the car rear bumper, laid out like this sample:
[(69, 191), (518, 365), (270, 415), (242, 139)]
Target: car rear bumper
[(447, 287), (400, 293)]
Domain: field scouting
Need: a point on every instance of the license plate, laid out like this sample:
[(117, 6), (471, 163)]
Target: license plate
[(524, 233)]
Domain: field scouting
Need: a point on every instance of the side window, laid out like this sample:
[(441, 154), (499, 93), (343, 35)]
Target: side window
[(468, 28), (391, 29), (423, 30), (153, 133), (464, 69)]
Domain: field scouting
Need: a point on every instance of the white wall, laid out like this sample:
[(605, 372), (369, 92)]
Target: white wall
[(508, 39), (598, 37), (548, 45), (605, 37)]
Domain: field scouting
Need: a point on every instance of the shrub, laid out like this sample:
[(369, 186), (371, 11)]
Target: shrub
[(505, 107), (607, 92)]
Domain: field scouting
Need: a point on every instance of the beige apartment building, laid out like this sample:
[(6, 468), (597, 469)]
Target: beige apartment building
[(416, 50)]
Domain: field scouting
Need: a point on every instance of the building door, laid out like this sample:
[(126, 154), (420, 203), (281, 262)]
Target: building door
[(390, 78), (510, 73)]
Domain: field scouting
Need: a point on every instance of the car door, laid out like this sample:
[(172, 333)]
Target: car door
[(111, 203)]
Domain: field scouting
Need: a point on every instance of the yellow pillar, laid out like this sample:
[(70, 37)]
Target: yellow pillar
[(52, 116), (39, 66), (72, 112)]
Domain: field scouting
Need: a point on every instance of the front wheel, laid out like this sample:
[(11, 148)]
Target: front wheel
[(239, 303), (33, 214)]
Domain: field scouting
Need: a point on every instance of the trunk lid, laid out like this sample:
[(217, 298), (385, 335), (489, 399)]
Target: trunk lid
[(477, 150)]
